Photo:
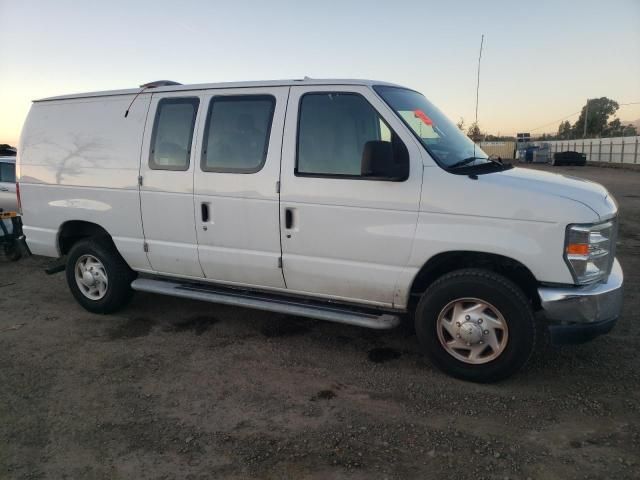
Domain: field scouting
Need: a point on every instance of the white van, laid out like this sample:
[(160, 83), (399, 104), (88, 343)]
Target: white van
[(345, 200)]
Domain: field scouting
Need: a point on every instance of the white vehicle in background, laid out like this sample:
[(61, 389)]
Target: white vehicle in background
[(344, 200), (12, 243), (8, 198)]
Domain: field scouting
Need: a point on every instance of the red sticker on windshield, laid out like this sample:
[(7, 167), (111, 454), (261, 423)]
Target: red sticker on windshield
[(423, 116)]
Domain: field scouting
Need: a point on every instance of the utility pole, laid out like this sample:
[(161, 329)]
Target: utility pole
[(586, 120)]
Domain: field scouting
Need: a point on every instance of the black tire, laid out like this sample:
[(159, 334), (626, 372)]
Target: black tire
[(494, 289), (119, 275)]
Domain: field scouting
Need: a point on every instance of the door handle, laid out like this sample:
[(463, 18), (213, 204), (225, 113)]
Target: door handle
[(289, 221), (288, 218), (204, 213)]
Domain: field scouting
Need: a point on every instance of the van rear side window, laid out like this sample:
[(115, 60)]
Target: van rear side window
[(236, 136), (172, 133)]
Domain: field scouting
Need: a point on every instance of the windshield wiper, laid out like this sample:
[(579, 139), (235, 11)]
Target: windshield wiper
[(467, 161)]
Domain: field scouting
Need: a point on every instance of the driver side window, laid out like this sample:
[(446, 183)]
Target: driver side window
[(342, 135)]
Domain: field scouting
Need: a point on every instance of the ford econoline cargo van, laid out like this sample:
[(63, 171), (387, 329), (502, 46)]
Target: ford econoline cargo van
[(344, 200)]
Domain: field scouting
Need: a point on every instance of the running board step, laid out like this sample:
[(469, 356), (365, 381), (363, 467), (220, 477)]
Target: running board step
[(278, 304)]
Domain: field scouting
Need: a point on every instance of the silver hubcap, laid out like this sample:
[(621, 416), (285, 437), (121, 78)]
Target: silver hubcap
[(91, 277), (472, 331)]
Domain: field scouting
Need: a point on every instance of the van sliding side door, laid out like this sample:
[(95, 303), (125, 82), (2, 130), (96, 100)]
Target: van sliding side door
[(237, 186)]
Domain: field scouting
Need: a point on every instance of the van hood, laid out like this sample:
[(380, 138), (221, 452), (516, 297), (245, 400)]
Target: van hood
[(517, 194), (591, 194)]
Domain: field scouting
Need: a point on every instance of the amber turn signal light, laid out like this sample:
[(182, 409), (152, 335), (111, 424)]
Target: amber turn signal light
[(578, 249)]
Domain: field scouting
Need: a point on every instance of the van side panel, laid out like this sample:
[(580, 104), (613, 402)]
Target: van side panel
[(79, 160)]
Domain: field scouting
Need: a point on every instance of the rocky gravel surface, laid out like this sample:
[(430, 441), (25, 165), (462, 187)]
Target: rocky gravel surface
[(170, 388)]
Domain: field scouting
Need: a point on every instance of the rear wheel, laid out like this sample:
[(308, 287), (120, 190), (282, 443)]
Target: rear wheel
[(476, 325), (98, 277)]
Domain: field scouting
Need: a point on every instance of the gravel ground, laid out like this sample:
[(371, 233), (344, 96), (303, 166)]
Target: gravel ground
[(179, 389)]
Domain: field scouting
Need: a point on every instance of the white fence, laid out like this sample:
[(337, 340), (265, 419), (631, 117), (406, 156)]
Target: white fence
[(609, 150), (501, 149)]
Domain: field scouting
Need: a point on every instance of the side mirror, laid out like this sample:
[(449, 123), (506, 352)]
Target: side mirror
[(378, 160)]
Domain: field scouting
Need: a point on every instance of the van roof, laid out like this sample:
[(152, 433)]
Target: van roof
[(210, 86)]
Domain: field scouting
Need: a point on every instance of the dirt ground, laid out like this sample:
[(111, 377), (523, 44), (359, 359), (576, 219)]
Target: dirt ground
[(181, 389)]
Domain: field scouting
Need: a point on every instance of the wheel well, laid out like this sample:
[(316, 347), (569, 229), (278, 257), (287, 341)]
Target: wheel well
[(75, 230), (444, 263)]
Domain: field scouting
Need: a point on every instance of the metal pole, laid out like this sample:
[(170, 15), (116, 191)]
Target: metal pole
[(478, 84), (600, 151), (610, 150), (635, 153), (478, 93), (590, 149), (622, 152)]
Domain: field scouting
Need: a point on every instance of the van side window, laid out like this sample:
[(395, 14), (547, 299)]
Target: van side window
[(342, 135), (236, 135), (173, 133)]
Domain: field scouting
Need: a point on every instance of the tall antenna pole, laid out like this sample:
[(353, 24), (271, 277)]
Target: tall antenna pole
[(478, 84)]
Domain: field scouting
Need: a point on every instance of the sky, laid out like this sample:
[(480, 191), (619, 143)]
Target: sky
[(541, 61)]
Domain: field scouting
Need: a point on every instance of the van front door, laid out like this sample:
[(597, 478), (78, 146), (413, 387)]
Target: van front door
[(351, 179), (166, 191), (236, 186)]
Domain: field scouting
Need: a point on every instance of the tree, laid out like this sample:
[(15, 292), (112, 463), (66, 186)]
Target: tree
[(460, 124), (474, 132), (630, 131), (597, 112), (616, 129), (6, 149), (564, 130)]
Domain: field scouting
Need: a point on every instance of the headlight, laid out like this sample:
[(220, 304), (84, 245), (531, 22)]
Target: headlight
[(590, 250)]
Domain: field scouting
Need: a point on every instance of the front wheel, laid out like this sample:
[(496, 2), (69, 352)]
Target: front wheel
[(98, 277), (476, 325)]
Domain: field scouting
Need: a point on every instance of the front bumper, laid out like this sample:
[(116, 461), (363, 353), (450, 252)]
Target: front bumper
[(578, 314)]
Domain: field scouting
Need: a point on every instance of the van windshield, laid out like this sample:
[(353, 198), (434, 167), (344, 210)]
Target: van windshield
[(444, 141)]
